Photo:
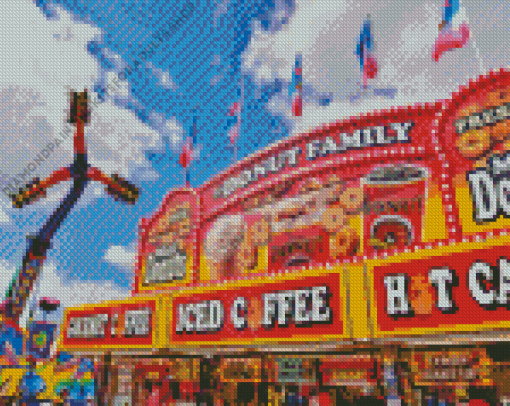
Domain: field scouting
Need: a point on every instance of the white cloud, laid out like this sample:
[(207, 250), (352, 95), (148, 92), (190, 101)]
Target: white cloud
[(4, 217), (116, 139), (170, 129), (326, 32), (34, 91), (121, 256), (164, 78)]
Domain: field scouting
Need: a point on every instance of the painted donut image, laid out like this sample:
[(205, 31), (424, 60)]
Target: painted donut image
[(484, 130), (345, 243), (351, 200), (300, 226), (474, 144)]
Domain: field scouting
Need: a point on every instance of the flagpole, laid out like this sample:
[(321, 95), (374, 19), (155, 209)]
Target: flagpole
[(239, 120), (189, 150), (193, 143)]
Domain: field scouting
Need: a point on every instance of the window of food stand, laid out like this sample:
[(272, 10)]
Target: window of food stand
[(351, 377), (452, 375), (292, 378), (240, 380), (167, 380)]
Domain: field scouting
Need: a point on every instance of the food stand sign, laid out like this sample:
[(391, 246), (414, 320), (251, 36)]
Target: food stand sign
[(123, 324), (473, 128), (462, 287), (284, 309)]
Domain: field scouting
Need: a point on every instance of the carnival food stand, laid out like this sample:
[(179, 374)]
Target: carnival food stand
[(365, 261)]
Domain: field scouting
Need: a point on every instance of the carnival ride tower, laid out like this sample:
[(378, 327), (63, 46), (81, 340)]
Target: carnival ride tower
[(80, 172)]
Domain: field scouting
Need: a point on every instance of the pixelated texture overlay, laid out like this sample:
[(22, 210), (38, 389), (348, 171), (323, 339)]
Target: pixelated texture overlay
[(254, 202)]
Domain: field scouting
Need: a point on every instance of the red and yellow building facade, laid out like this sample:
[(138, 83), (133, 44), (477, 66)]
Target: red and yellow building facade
[(366, 262)]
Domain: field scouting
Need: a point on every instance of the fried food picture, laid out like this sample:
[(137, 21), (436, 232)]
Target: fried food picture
[(485, 127), (473, 144)]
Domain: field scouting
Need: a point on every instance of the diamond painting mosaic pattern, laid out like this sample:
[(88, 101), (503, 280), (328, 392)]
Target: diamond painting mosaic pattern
[(255, 202)]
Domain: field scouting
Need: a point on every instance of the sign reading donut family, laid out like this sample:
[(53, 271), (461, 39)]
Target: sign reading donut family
[(463, 287), (475, 126), (299, 309)]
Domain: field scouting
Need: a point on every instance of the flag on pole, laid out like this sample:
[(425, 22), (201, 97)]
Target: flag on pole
[(367, 60), (188, 150), (297, 87), (187, 153), (453, 30), (234, 113)]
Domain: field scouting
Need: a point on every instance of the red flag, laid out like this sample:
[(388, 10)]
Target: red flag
[(297, 82), (371, 67), (449, 39), (233, 133), (186, 156), (234, 109), (297, 105)]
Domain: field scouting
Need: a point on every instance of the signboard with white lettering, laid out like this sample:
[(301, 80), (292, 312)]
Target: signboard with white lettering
[(295, 370), (294, 309), (464, 287), (128, 323), (167, 244), (460, 367), (406, 130)]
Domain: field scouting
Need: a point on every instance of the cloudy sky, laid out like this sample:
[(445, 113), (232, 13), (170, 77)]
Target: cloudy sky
[(137, 124)]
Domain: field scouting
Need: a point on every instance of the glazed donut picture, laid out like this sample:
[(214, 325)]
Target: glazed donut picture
[(500, 131), (479, 143), (334, 219), (344, 243), (421, 295), (351, 200), (474, 143)]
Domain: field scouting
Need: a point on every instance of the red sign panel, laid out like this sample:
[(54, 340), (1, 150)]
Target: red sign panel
[(125, 324), (448, 291), (168, 243), (307, 306), (406, 129), (473, 129)]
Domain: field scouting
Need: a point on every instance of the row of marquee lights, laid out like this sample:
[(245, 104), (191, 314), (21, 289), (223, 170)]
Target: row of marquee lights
[(443, 280), (371, 136)]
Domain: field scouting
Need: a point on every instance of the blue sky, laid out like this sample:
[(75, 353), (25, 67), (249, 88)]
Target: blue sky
[(137, 130)]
